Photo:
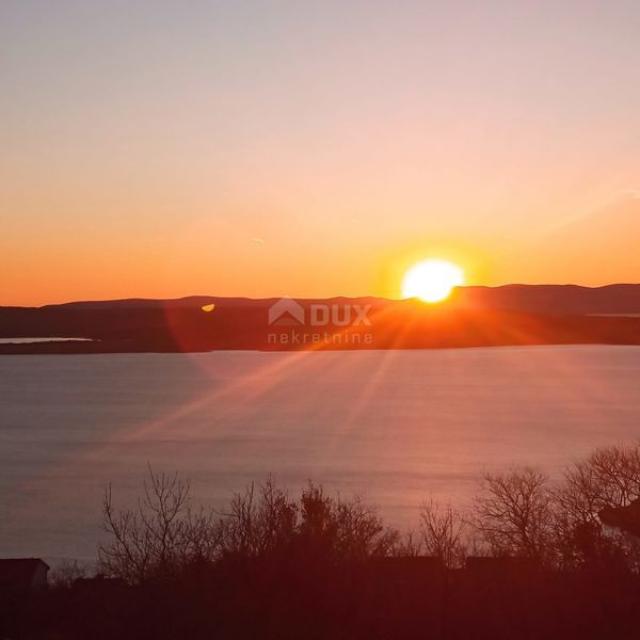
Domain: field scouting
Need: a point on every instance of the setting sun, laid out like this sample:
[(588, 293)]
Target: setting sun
[(431, 280)]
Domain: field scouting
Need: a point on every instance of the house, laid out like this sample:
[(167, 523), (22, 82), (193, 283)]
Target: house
[(406, 570), (23, 575), (487, 569)]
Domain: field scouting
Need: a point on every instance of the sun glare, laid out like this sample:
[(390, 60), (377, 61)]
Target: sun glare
[(431, 280)]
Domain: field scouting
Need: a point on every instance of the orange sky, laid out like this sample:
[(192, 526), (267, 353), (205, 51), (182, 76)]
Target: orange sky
[(314, 149)]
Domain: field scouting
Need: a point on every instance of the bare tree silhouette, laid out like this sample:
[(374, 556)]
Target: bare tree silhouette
[(443, 533), (160, 535), (514, 514)]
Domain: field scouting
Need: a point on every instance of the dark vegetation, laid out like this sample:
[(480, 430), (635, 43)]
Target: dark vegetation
[(531, 558)]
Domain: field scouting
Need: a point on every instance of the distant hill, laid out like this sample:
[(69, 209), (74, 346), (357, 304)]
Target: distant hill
[(556, 299), (474, 316)]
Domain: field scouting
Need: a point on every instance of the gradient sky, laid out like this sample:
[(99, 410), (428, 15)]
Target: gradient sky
[(246, 147)]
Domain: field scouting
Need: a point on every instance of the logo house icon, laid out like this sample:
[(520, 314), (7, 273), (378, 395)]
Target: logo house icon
[(286, 312)]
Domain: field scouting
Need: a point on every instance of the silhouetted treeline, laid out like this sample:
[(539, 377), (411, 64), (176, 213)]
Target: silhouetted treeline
[(530, 558)]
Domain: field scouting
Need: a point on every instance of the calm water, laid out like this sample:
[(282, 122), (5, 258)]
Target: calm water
[(392, 426)]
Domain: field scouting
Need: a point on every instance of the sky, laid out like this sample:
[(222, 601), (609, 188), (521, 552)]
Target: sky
[(266, 148)]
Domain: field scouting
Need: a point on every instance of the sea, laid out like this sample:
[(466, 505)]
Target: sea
[(396, 428)]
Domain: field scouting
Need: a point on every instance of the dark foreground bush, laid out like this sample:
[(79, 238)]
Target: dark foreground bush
[(530, 560), (263, 598)]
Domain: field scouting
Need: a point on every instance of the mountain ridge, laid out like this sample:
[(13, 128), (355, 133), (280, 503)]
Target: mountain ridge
[(511, 287), (473, 316)]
